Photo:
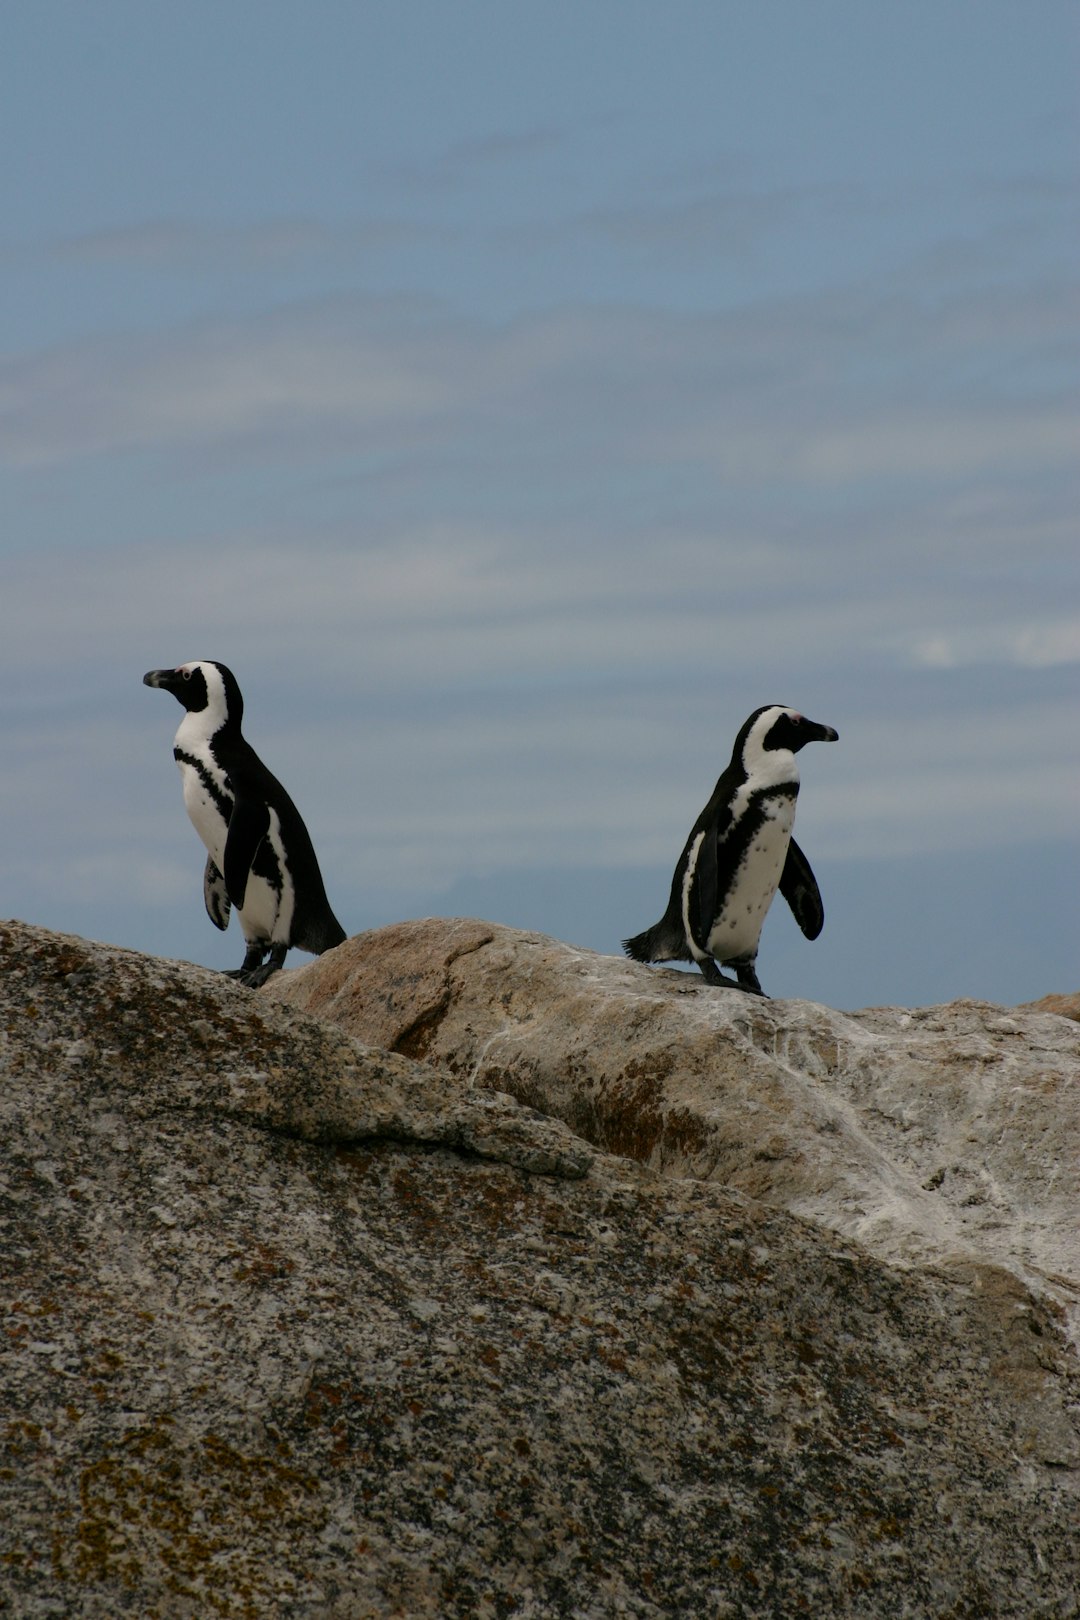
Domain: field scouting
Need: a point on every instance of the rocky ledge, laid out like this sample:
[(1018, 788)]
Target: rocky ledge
[(463, 1274), (945, 1134)]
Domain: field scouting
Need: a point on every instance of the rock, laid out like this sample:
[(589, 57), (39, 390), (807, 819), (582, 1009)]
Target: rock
[(1066, 1006), (298, 1328), (933, 1137)]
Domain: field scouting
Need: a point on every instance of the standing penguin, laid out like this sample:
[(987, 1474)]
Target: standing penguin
[(739, 851), (261, 860)]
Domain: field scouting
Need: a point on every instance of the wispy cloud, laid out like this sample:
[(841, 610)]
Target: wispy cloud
[(217, 382), (557, 561), (730, 219), (935, 443), (465, 161), (460, 700), (1055, 640), (825, 389), (181, 244)]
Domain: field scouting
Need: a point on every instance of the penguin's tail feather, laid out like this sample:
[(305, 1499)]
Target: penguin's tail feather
[(665, 941), (320, 935), (332, 934)]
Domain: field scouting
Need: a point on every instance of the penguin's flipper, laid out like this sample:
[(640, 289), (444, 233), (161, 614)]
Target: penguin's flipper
[(798, 886), (215, 895), (247, 829)]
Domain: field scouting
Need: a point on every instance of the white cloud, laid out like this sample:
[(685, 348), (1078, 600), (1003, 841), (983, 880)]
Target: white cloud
[(467, 160), (1043, 645), (893, 443), (826, 390), (212, 384), (937, 444), (456, 607), (965, 778), (171, 245)]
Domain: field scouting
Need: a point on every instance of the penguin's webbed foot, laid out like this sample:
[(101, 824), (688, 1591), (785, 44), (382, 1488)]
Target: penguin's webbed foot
[(712, 975), (747, 980), (255, 974), (252, 960), (253, 970)]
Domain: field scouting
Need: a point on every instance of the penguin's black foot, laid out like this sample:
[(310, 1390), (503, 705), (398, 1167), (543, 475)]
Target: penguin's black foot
[(257, 973), (253, 957), (748, 981), (254, 970), (712, 975)]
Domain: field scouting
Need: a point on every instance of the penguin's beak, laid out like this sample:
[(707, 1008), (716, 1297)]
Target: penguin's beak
[(165, 681), (810, 731)]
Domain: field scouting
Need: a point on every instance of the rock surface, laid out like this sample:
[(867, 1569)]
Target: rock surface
[(296, 1327), (937, 1135), (1067, 1006)]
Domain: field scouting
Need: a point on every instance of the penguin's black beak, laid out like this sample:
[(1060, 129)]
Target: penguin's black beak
[(160, 677), (809, 731)]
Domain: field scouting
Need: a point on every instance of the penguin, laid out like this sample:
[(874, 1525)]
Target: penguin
[(740, 850), (260, 855)]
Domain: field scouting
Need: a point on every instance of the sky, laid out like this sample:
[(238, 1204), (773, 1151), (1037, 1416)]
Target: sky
[(516, 396)]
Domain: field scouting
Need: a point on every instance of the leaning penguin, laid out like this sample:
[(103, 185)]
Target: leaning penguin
[(261, 859), (739, 852)]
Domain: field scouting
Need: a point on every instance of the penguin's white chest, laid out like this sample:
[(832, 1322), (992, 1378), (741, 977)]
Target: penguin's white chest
[(206, 792), (737, 929)]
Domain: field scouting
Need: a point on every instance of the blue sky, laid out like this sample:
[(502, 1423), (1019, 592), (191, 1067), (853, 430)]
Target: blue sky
[(516, 396)]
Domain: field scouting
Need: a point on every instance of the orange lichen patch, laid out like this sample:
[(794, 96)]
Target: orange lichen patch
[(154, 1506)]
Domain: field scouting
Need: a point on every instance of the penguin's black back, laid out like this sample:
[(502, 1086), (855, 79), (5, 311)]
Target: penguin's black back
[(314, 927)]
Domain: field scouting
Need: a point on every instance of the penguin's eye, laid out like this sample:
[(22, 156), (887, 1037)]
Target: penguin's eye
[(186, 673)]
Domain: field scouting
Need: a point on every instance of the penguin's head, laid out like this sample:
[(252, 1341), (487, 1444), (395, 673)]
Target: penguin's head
[(774, 730), (203, 687)]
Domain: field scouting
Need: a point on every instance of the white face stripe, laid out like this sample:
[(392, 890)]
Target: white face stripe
[(765, 767), (204, 722)]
